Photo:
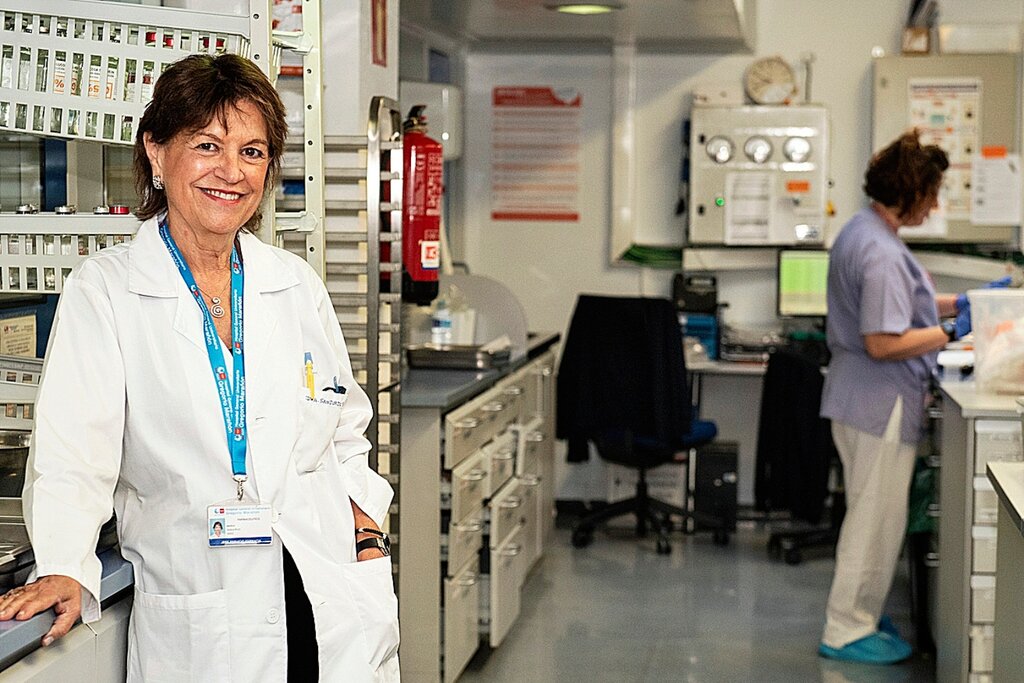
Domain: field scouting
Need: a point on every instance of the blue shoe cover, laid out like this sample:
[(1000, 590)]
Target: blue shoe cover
[(878, 648), (887, 625)]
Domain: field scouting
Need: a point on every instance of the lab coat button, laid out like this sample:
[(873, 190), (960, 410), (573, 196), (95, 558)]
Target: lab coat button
[(273, 615)]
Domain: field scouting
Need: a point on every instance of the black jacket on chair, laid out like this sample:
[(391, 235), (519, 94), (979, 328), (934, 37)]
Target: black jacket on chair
[(622, 373), (794, 444)]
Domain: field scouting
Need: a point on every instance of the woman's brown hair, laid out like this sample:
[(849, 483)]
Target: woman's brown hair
[(186, 98), (905, 174)]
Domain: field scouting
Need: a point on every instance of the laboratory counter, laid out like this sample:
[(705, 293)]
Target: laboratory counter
[(1008, 658), (446, 388), (21, 638), (978, 428)]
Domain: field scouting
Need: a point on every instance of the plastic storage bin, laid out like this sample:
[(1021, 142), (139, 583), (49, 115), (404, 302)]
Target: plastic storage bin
[(997, 318)]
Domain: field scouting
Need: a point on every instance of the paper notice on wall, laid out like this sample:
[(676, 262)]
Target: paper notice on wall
[(947, 112), (748, 205), (535, 153), (997, 189), (18, 336)]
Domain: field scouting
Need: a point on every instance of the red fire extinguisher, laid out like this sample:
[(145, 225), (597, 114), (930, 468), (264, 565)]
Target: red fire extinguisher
[(423, 177)]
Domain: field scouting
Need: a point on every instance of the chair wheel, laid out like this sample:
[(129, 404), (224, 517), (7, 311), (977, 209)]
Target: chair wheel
[(720, 537), (663, 547), (792, 556), (774, 547), (582, 537)]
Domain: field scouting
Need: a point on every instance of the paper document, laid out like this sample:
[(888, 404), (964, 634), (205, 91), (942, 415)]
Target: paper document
[(997, 190)]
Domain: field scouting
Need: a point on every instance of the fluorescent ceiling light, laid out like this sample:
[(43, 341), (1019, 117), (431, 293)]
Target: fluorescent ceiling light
[(584, 8)]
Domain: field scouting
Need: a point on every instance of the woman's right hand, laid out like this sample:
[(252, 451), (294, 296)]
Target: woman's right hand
[(62, 593)]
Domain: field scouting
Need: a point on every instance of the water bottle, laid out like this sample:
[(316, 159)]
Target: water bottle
[(441, 324)]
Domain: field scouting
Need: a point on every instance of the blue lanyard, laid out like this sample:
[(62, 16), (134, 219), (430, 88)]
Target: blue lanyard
[(232, 400)]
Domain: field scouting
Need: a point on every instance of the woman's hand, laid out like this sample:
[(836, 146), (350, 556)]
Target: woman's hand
[(364, 521), (62, 593)]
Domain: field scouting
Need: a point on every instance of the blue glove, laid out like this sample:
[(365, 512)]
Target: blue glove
[(962, 324), (963, 306)]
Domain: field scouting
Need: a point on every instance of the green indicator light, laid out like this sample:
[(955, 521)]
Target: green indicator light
[(719, 201)]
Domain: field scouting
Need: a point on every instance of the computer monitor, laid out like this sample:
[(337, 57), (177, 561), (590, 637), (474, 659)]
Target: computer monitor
[(803, 281)]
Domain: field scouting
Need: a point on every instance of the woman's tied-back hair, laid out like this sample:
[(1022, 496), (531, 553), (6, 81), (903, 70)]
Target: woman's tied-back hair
[(905, 174), (187, 96)]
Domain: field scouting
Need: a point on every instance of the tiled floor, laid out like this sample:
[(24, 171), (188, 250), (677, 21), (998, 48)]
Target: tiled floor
[(617, 611)]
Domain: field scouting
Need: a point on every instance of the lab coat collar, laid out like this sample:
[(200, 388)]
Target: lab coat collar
[(151, 272)]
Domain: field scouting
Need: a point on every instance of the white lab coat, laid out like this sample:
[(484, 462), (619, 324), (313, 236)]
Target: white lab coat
[(128, 417)]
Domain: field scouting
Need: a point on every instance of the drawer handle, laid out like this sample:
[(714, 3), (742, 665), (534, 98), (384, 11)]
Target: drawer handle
[(469, 527), (493, 407), (468, 580), (931, 560), (933, 510), (511, 551), (514, 391), (529, 480), (473, 475), (544, 371), (511, 503), (506, 453), (535, 437), (467, 423)]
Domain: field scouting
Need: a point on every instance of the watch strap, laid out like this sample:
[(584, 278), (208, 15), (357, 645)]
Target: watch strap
[(374, 542), (374, 532)]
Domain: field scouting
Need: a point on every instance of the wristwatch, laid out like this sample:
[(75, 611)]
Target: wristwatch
[(378, 539), (949, 328)]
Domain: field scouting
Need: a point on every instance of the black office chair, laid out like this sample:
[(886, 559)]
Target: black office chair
[(796, 455), (622, 386)]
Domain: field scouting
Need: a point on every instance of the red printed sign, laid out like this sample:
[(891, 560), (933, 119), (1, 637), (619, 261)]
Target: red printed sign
[(535, 153)]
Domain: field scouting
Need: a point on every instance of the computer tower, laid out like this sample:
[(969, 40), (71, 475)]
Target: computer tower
[(714, 487)]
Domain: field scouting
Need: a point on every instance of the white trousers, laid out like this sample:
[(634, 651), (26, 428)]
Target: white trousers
[(876, 477)]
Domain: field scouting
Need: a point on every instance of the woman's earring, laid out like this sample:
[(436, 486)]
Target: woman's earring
[(158, 182)]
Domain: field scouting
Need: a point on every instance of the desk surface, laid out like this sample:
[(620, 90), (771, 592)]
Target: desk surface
[(1008, 480)]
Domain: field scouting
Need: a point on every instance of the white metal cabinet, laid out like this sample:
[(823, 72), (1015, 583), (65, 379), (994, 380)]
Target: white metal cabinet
[(443, 524)]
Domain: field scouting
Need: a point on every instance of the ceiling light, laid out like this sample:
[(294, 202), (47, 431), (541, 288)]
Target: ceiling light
[(584, 8)]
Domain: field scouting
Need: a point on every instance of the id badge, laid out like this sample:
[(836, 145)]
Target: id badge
[(231, 525)]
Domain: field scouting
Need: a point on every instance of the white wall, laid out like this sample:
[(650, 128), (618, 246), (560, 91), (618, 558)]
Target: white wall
[(547, 265)]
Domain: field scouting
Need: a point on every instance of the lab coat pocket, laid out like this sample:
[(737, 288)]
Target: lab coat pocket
[(366, 625), (179, 637), (318, 423)]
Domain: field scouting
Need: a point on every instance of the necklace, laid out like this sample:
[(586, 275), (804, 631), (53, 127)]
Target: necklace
[(216, 310)]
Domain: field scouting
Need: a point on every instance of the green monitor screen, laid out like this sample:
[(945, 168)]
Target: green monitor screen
[(803, 281)]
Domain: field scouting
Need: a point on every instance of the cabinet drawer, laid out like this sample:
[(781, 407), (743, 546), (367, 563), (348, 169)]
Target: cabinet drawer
[(513, 394), (986, 502), (461, 606), (469, 427), (531, 447), (530, 490), (469, 481), (464, 540), (995, 441), (983, 599), (501, 456), (507, 509), (983, 549), (506, 573)]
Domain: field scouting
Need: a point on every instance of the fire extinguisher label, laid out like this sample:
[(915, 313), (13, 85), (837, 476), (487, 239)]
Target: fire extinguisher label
[(430, 255)]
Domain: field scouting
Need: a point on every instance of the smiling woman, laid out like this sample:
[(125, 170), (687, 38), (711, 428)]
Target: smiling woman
[(176, 393)]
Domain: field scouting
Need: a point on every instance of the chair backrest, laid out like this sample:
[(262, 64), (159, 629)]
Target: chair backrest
[(794, 444), (622, 380)]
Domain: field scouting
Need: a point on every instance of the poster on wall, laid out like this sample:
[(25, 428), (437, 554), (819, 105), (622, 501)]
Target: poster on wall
[(947, 112), (535, 153)]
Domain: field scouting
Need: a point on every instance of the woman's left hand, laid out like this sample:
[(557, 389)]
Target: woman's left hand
[(364, 521)]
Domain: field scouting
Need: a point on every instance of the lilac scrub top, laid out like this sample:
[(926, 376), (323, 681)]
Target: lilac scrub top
[(875, 285)]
